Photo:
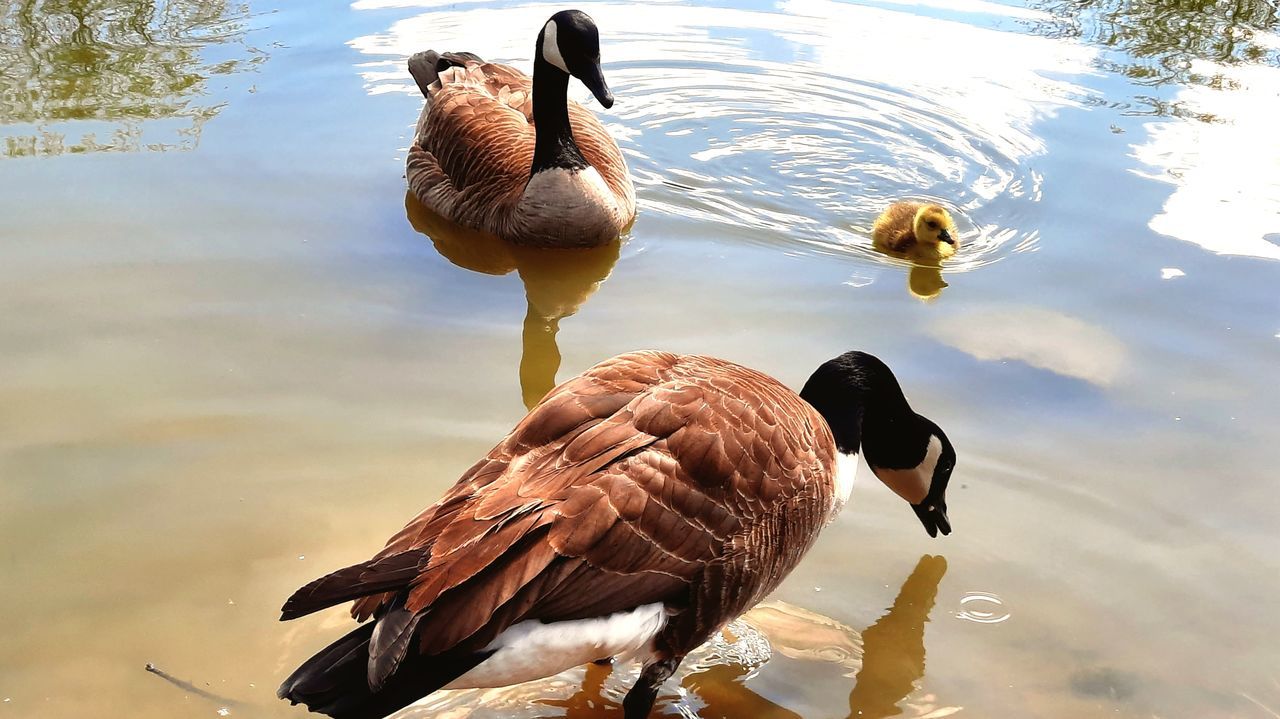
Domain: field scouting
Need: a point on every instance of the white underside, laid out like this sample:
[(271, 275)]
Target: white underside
[(846, 468), (563, 187), (533, 650), (561, 207)]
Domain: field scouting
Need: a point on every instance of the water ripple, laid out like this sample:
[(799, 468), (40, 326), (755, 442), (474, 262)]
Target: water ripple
[(809, 120), (982, 608)]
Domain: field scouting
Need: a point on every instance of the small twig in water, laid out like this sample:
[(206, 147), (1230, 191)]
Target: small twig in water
[(189, 687), (1260, 705)]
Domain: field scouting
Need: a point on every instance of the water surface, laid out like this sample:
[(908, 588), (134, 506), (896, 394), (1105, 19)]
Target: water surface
[(234, 357)]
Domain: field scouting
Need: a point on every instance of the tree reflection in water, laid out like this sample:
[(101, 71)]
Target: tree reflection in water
[(122, 75), (1167, 42)]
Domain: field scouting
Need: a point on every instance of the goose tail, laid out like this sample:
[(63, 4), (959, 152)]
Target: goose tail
[(427, 65), (335, 681)]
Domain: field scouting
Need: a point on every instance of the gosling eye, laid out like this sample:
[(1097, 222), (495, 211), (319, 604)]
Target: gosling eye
[(933, 225)]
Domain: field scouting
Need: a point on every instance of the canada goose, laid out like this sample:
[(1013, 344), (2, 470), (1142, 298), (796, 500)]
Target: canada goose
[(634, 512), (556, 284), (498, 152), (922, 233)]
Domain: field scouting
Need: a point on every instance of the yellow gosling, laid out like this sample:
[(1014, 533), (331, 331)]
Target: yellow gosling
[(915, 231)]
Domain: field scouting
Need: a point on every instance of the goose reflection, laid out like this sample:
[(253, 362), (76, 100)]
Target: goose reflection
[(886, 661), (893, 647), (556, 284)]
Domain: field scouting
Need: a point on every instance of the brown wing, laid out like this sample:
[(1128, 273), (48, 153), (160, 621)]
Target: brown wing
[(651, 477), (474, 143)]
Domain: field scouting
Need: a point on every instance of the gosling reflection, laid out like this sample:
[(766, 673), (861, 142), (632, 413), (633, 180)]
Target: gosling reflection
[(556, 284), (893, 647), (925, 283)]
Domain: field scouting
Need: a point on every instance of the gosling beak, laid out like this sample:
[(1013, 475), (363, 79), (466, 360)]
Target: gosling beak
[(946, 237), (593, 78), (933, 515)]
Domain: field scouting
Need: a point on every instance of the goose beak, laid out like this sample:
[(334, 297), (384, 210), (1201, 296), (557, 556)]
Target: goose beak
[(933, 515), (593, 78), (946, 237)]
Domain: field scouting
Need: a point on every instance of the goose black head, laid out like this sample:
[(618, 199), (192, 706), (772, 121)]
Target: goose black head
[(570, 42), (862, 402)]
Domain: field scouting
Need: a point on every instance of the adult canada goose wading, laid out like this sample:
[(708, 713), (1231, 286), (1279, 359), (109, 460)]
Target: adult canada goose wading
[(498, 152), (635, 511)]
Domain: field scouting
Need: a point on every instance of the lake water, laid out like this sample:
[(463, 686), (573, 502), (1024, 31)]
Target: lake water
[(232, 359)]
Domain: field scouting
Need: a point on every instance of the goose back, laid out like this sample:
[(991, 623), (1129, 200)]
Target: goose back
[(651, 478)]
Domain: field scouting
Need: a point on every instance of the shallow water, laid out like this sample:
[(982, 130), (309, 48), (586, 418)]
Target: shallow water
[(231, 357)]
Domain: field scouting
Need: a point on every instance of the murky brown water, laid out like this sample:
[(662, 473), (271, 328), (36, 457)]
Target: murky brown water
[(233, 357)]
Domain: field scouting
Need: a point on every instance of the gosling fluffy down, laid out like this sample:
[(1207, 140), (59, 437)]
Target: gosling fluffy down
[(920, 232)]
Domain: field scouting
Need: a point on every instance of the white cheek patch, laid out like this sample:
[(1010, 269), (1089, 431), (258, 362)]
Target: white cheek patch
[(551, 48), (913, 484)]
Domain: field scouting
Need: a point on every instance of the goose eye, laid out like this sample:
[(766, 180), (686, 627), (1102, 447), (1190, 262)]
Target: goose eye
[(932, 225)]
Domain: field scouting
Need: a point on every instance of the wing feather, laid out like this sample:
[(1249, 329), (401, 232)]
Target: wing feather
[(639, 481)]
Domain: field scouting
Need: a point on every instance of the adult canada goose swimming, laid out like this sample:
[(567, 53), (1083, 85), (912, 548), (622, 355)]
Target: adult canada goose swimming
[(498, 152), (632, 513)]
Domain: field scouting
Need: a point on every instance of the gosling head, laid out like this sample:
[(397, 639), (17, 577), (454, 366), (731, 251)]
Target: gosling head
[(570, 42), (859, 397), (934, 228)]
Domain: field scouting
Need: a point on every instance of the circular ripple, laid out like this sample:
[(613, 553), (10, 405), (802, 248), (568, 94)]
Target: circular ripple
[(780, 164), (983, 608), (795, 125), (814, 119)]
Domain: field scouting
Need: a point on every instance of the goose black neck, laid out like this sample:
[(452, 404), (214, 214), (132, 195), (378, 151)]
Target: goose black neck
[(554, 146), (861, 401)]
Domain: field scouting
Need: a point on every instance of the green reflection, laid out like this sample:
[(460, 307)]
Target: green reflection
[(1163, 39), (139, 69), (556, 284)]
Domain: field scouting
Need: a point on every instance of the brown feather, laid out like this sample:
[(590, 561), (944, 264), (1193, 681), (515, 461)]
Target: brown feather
[(894, 228), (473, 150), (651, 477)]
